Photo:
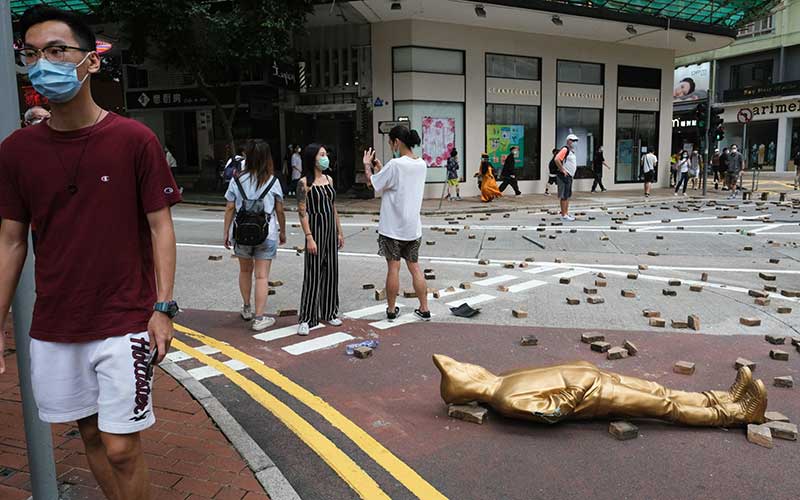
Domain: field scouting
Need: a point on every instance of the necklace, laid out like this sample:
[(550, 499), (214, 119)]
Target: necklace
[(72, 186)]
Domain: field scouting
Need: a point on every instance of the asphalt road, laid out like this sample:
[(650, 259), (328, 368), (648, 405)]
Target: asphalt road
[(386, 425)]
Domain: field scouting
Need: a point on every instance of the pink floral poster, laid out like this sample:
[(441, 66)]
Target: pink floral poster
[(438, 139)]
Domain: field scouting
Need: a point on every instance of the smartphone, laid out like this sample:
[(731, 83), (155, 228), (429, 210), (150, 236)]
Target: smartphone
[(151, 362)]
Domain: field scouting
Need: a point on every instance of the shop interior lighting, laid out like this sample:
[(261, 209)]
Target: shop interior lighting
[(396, 6), (480, 11), (557, 21), (631, 29), (690, 37)]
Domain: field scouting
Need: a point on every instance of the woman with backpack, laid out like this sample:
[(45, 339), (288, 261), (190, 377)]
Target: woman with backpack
[(316, 207), (255, 213)]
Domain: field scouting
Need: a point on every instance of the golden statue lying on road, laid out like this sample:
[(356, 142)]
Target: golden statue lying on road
[(580, 390)]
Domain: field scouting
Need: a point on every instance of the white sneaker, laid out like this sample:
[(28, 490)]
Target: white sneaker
[(683, 194), (567, 218), (262, 323), (335, 322), (302, 329), (247, 313), (675, 194)]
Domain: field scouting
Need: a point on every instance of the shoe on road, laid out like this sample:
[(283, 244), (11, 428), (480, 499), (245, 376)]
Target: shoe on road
[(262, 323), (567, 218), (247, 313), (335, 322), (302, 329), (392, 315), (424, 316)]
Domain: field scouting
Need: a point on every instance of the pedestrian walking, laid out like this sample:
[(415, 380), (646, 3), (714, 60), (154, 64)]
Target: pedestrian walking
[(552, 171), (509, 172), (598, 162), (99, 193), (724, 159), (35, 115), (453, 174), (401, 183), (486, 182), (254, 225), (796, 170), (567, 166), (673, 169), (649, 164), (694, 169), (233, 167), (736, 163), (715, 159), (316, 205), (296, 163), (683, 168)]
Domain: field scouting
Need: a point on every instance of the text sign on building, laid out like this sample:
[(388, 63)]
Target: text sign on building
[(386, 127), (176, 98), (578, 95), (764, 110), (509, 91), (638, 99)]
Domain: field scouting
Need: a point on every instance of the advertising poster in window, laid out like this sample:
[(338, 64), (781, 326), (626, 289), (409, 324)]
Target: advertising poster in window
[(499, 141), (691, 83), (438, 139)]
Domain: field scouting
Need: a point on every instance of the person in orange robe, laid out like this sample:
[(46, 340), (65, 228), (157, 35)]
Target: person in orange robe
[(486, 180)]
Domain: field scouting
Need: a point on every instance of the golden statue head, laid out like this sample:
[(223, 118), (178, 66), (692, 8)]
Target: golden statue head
[(463, 382)]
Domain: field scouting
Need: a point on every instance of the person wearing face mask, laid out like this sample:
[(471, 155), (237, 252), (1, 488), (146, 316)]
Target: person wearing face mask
[(509, 173), (567, 164), (649, 163), (736, 164), (36, 115), (401, 184), (316, 206), (486, 181), (598, 162), (99, 194), (684, 164)]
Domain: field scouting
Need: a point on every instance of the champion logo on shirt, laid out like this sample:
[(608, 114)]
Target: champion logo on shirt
[(168, 190), (105, 178)]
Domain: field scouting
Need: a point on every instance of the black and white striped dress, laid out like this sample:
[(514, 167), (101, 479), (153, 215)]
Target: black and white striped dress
[(320, 298)]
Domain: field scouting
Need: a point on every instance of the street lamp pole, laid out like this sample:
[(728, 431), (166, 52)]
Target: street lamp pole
[(37, 433)]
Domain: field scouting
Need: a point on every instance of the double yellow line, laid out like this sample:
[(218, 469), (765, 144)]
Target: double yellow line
[(340, 462)]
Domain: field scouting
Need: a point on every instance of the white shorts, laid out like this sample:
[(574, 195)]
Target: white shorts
[(104, 377)]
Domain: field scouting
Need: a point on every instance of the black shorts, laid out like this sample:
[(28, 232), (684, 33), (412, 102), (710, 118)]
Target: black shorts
[(564, 183), (394, 249), (650, 176), (551, 179)]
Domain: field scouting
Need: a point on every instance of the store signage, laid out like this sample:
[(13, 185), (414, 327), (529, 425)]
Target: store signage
[(744, 116), (283, 75), (386, 127), (638, 99), (776, 89), (691, 82), (682, 123), (762, 110), (176, 98), (509, 91), (580, 95)]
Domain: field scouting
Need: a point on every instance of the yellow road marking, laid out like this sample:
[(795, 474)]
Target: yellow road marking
[(343, 465), (407, 476)]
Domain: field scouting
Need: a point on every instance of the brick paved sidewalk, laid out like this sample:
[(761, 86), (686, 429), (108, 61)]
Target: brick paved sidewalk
[(189, 458)]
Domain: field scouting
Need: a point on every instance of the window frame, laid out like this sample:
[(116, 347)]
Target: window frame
[(486, 67), (602, 72), (736, 73), (462, 52)]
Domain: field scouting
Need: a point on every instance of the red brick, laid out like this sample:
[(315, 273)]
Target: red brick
[(9, 493), (21, 480), (13, 461), (247, 481), (76, 460), (157, 462), (184, 441), (165, 479), (193, 456), (224, 463), (195, 486), (228, 493), (251, 495), (159, 493), (78, 476)]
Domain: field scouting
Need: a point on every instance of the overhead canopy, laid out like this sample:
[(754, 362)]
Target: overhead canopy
[(18, 7)]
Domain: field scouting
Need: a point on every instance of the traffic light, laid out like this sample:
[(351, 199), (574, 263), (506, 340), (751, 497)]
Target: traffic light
[(717, 128), (700, 114)]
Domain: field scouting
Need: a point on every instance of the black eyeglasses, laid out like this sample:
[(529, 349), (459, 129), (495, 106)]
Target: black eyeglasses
[(54, 53)]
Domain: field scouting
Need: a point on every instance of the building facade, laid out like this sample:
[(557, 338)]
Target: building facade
[(756, 80)]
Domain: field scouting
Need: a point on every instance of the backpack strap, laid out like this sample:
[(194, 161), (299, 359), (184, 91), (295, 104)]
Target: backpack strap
[(269, 188), (241, 189)]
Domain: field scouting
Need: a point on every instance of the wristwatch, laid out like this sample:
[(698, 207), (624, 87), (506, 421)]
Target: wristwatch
[(169, 308)]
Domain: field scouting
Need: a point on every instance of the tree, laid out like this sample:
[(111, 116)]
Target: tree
[(215, 41)]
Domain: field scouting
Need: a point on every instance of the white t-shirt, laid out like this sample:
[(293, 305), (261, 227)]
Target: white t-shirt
[(567, 158), (402, 185), (252, 192), (683, 165), (297, 166), (649, 162)]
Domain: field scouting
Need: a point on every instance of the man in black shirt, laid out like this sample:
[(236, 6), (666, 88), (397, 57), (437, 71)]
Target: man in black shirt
[(509, 174)]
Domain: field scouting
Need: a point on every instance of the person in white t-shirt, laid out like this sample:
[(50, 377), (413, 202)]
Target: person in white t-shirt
[(401, 184), (649, 162), (567, 164), (296, 165), (257, 177)]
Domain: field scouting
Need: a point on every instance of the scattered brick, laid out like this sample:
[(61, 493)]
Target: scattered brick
[(502, 288), (674, 282), (704, 277), (523, 265), (430, 276), (774, 261), (683, 368), (784, 381), (679, 324), (564, 281), (652, 253), (467, 413), (770, 288), (530, 259), (465, 285), (669, 293), (528, 340), (282, 313), (380, 294), (368, 286), (509, 265), (790, 293), (633, 276), (600, 346), (775, 416), (784, 310), (775, 339), (740, 362), (557, 260), (762, 301), (748, 249), (430, 242), (695, 288), (594, 299), (767, 277), (659, 236), (631, 348), (603, 237), (481, 274), (471, 236), (658, 322), (271, 291), (483, 262), (750, 321), (643, 267), (629, 294), (760, 435), (409, 294), (617, 353), (623, 430), (782, 430), (651, 313), (491, 238), (437, 294), (362, 352), (600, 283), (694, 322), (573, 302), (757, 294), (779, 355), (589, 291), (589, 337), (602, 276), (215, 257)]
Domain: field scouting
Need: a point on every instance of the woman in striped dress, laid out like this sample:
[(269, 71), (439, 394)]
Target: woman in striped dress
[(320, 221)]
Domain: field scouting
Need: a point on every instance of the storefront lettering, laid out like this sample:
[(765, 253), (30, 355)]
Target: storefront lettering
[(633, 98), (678, 123), (773, 108), (581, 95), (511, 91)]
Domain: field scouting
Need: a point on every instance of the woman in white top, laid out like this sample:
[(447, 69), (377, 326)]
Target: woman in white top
[(257, 178), (683, 168), (401, 184)]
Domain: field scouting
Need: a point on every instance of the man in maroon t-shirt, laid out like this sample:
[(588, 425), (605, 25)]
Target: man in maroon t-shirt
[(98, 190)]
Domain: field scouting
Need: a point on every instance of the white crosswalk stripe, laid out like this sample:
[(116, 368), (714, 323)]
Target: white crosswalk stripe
[(369, 311), (316, 344), (472, 301), (571, 274), (401, 320), (205, 371), (281, 333), (527, 285), (541, 269), (495, 280)]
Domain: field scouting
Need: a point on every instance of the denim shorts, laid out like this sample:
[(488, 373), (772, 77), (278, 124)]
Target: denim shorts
[(265, 251)]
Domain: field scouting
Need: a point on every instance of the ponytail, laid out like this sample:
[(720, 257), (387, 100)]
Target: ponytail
[(405, 135)]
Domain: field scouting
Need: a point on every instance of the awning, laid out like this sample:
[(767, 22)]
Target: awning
[(18, 7)]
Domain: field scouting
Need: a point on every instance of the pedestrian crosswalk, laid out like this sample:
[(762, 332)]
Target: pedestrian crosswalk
[(318, 343)]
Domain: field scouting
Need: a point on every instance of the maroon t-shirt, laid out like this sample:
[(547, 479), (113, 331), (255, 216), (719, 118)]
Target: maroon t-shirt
[(94, 257)]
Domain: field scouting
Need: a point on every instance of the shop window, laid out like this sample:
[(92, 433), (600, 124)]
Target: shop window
[(512, 125), (755, 74), (637, 133), (643, 78), (587, 124), (426, 60), (762, 140), (580, 72), (441, 127), (515, 67)]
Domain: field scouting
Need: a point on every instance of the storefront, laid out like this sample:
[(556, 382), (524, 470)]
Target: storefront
[(486, 90)]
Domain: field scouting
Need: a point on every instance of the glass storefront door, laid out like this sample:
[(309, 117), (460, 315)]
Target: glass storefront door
[(637, 132)]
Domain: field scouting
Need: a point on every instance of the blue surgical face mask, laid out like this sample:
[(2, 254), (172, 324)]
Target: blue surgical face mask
[(58, 82), (324, 163)]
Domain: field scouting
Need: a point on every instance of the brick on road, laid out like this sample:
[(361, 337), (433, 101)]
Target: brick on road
[(519, 313), (629, 294), (785, 381), (600, 346), (760, 435), (750, 321), (215, 257), (775, 416), (693, 322), (695, 288), (782, 430), (784, 310), (528, 340), (362, 352), (761, 301), (684, 368), (595, 299), (775, 339), (468, 413), (617, 353), (600, 283), (589, 291), (572, 301), (650, 313), (767, 277), (481, 274), (678, 324), (658, 322), (779, 355), (623, 430), (669, 293), (740, 362), (630, 347), (589, 337)]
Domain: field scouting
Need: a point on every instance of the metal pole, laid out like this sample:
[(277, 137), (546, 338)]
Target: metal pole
[(711, 101), (37, 433)]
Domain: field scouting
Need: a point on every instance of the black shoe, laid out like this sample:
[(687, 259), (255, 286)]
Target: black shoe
[(424, 316), (392, 315)]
